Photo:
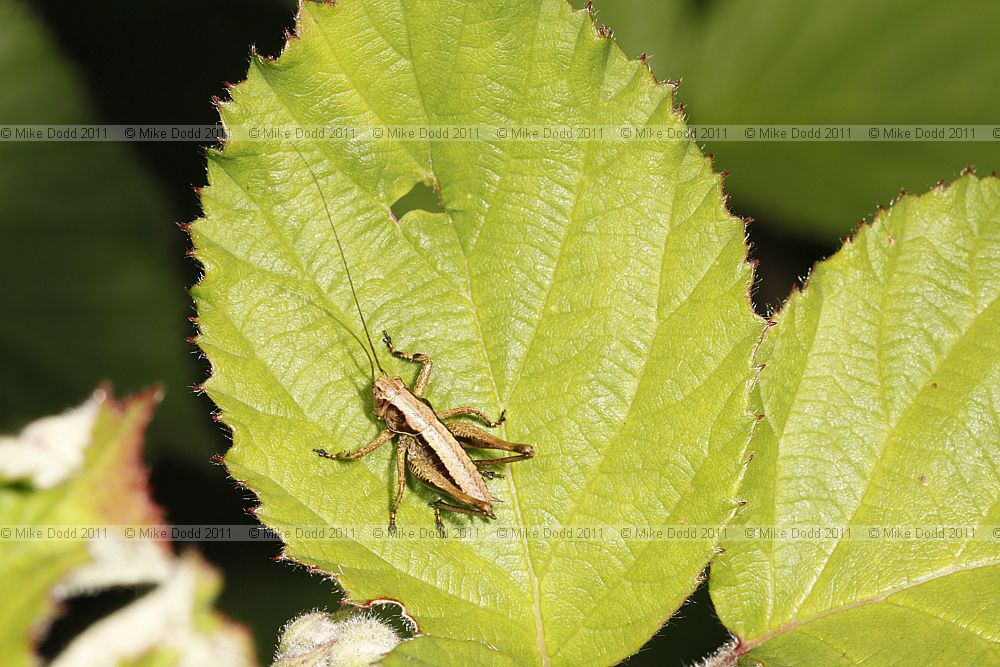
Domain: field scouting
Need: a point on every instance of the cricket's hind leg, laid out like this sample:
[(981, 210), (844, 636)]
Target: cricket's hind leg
[(400, 485), (425, 364), (475, 437), (480, 416), (441, 504)]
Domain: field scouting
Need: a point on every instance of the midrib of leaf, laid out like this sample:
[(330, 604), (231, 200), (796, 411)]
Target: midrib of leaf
[(529, 65), (535, 607), (511, 473), (512, 487), (503, 402), (567, 230), (536, 610)]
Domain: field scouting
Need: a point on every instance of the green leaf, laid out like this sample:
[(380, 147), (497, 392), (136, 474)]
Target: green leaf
[(101, 490), (89, 267), (792, 62), (880, 398), (595, 290)]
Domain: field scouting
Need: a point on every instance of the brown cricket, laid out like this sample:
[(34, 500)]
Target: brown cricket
[(433, 450)]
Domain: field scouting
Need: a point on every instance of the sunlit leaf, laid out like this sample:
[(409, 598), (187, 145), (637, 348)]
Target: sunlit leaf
[(595, 290), (881, 399)]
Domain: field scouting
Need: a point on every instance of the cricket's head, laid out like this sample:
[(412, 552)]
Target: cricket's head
[(386, 389)]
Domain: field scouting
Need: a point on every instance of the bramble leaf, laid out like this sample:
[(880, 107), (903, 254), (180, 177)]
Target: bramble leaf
[(881, 396), (596, 290)]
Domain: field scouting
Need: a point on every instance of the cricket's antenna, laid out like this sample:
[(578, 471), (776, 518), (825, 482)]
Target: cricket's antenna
[(343, 258)]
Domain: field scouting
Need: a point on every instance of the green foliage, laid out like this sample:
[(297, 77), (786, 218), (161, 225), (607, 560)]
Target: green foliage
[(596, 291), (881, 396), (792, 62)]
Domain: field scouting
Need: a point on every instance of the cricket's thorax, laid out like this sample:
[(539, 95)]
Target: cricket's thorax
[(406, 414)]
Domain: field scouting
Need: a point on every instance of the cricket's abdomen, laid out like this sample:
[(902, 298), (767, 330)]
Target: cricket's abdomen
[(436, 450), (427, 467)]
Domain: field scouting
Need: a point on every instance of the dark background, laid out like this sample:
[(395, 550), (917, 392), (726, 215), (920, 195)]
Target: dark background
[(162, 63)]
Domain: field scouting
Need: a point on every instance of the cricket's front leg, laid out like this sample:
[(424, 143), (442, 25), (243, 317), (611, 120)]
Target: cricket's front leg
[(377, 442), (424, 361), (473, 436)]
